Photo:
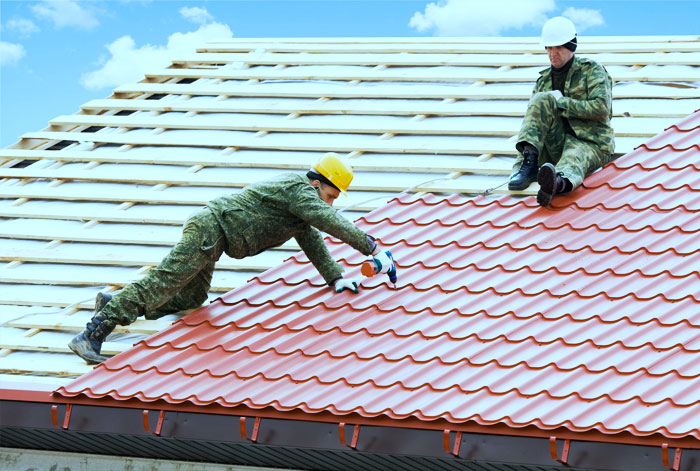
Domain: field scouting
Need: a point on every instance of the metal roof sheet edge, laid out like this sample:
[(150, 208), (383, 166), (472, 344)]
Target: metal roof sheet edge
[(529, 430)]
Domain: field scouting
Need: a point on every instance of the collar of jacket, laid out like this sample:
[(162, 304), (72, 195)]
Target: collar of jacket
[(547, 73)]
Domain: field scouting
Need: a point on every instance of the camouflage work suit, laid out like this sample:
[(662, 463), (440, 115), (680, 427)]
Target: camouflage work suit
[(587, 105), (265, 214)]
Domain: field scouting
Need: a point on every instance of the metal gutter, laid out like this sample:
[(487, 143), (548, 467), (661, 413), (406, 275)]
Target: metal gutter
[(440, 425), (247, 437)]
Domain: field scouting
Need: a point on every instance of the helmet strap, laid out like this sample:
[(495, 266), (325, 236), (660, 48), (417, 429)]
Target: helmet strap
[(313, 175)]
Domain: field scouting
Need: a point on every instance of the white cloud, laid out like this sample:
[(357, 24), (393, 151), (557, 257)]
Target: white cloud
[(584, 18), (22, 26), (128, 63), (10, 53), (66, 13), (480, 18), (196, 15)]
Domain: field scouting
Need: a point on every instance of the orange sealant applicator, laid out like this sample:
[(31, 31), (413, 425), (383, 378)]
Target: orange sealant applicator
[(374, 265)]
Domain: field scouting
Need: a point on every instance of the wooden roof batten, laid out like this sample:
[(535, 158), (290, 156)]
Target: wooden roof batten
[(213, 102)]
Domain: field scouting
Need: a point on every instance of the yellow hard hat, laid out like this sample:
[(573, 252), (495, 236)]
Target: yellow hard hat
[(335, 170)]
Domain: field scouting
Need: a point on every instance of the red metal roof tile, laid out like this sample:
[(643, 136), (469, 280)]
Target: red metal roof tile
[(585, 315), (677, 139), (665, 157)]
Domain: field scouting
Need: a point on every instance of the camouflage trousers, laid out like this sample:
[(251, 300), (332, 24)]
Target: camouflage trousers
[(543, 128), (182, 279)]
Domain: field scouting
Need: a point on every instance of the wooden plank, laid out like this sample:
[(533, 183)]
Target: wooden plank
[(439, 74), (332, 107), (96, 278), (423, 60), (669, 108), (30, 344), (86, 215), (194, 179), (389, 185), (93, 279), (115, 216), (464, 127), (12, 299), (68, 366), (281, 142), (96, 176), (56, 230), (453, 47), (39, 299), (453, 146), (303, 90), (123, 257), (134, 196), (511, 92), (451, 39), (238, 159)]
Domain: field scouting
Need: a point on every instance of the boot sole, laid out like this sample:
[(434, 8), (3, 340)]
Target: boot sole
[(547, 178)]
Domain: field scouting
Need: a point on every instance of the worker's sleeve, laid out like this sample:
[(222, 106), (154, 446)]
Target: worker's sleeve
[(598, 102), (306, 204), (311, 242)]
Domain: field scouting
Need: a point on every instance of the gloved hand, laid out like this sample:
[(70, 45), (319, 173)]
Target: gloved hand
[(346, 283), (383, 262), (555, 93)]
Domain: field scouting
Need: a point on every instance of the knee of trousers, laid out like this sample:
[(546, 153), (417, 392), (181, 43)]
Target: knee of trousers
[(543, 99)]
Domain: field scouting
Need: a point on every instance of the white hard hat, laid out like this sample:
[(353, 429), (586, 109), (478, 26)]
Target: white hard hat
[(557, 31)]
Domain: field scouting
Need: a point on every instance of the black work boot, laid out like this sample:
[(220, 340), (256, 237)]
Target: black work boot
[(527, 173), (551, 184), (87, 344)]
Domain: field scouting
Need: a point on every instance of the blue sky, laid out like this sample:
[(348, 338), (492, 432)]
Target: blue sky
[(57, 55)]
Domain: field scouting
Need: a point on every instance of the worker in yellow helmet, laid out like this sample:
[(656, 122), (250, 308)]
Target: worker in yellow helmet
[(265, 214)]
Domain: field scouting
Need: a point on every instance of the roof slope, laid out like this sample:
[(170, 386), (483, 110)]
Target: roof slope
[(97, 198), (584, 316)]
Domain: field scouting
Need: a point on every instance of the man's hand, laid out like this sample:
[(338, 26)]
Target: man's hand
[(346, 283), (555, 93), (382, 262)]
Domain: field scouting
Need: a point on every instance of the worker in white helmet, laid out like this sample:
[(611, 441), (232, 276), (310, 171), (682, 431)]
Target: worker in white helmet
[(265, 214), (566, 134)]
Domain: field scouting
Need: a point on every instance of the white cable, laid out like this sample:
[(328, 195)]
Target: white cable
[(395, 194), (70, 306), (484, 193)]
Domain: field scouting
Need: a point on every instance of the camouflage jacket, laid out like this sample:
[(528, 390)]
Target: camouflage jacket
[(587, 101), (268, 213)]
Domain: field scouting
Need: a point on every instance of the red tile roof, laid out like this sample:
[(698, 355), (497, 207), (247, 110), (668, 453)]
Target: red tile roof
[(584, 316)]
